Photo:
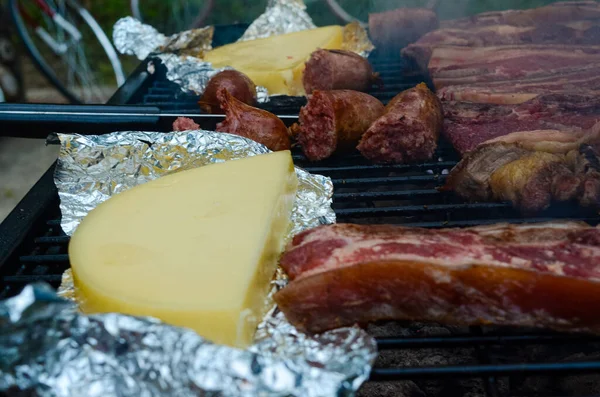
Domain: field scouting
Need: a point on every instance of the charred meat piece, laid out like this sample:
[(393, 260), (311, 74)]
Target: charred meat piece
[(407, 131), (531, 173), (185, 124), (586, 163), (467, 125), (542, 275), (471, 176), (334, 121), (250, 122), (236, 83), (396, 28), (533, 181), (338, 70)]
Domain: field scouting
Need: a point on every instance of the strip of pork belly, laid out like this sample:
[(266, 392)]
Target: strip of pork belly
[(573, 33), (552, 141), (467, 125), (467, 65), (563, 249), (559, 12), (583, 81)]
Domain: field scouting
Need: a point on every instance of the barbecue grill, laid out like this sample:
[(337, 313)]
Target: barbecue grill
[(440, 360)]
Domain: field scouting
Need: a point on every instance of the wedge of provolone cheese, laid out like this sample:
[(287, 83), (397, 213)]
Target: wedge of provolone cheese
[(197, 248), (277, 62)]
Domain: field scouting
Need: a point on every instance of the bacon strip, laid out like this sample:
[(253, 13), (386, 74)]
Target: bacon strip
[(545, 275)]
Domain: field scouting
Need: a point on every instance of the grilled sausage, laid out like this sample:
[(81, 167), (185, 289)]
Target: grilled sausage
[(408, 130), (396, 29), (337, 70), (250, 122), (238, 84), (334, 121)]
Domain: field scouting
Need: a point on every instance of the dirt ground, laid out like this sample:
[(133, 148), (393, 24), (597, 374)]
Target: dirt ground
[(23, 161)]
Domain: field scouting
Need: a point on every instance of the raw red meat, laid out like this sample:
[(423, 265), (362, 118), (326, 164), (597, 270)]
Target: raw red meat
[(544, 275)]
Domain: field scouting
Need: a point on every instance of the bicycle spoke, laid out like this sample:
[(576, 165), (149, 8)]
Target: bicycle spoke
[(93, 86), (70, 49)]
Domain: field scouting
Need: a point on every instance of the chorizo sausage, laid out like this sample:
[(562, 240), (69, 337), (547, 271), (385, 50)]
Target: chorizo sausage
[(337, 70), (238, 84), (408, 130), (256, 124), (334, 121)]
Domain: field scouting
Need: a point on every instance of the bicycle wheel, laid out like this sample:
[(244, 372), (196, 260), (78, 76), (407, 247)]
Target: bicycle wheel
[(181, 14), (69, 48)]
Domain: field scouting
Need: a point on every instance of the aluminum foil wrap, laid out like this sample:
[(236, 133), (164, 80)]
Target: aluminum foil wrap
[(132, 37), (49, 349), (180, 53), (280, 17), (91, 168), (193, 74), (120, 355)]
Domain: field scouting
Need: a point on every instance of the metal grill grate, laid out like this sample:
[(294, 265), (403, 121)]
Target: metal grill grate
[(364, 193)]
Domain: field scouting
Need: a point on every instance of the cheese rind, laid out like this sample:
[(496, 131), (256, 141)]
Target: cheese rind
[(277, 62), (197, 248)]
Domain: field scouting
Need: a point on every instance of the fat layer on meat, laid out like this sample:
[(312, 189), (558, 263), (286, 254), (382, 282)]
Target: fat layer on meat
[(342, 274)]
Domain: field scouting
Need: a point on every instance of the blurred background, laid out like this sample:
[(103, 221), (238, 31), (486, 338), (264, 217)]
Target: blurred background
[(23, 161)]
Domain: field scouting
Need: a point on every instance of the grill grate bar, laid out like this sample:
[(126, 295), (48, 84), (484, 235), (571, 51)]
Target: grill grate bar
[(395, 167), (50, 278), (458, 341), (482, 222), (52, 240), (387, 180), (417, 208), (385, 195), (44, 258), (477, 371)]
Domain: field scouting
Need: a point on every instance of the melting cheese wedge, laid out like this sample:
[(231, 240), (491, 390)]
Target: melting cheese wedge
[(277, 62), (196, 249)]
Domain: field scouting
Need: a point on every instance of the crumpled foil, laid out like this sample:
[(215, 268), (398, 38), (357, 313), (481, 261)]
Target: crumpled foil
[(180, 53), (356, 39), (132, 37), (119, 355), (280, 17), (193, 74), (49, 349), (92, 168)]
